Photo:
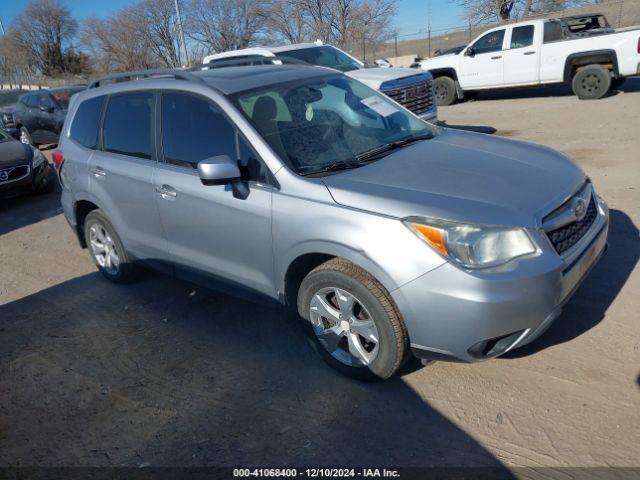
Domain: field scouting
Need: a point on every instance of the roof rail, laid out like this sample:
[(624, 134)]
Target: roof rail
[(137, 75)]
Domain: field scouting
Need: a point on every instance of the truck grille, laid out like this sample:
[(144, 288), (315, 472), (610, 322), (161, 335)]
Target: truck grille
[(14, 173), (417, 97), (567, 236)]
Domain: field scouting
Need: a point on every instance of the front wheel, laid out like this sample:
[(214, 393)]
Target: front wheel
[(352, 321), (591, 82), (106, 248), (445, 91)]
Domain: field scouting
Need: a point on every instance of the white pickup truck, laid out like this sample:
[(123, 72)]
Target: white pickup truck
[(539, 52)]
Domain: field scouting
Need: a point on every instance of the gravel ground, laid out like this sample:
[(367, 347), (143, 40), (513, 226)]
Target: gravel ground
[(162, 372)]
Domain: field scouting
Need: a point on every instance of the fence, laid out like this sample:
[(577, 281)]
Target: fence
[(425, 42)]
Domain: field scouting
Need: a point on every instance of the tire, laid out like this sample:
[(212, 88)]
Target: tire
[(121, 272), (591, 82), (445, 91), (25, 136), (358, 305)]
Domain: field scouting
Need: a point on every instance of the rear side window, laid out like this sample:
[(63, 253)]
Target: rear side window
[(522, 36), (86, 123), (127, 124)]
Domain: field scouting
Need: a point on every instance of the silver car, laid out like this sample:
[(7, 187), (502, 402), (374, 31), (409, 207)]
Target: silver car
[(386, 235)]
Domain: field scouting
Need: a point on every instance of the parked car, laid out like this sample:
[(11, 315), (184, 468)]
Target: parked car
[(8, 99), (39, 115), (404, 85), (538, 52), (386, 234), (23, 168)]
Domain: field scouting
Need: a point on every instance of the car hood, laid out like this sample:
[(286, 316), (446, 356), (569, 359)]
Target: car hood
[(374, 77), (14, 153), (462, 176)]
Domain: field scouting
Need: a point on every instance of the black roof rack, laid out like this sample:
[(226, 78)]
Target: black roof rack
[(129, 76)]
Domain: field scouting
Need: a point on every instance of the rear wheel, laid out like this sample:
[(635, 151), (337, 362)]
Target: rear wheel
[(352, 321), (106, 249), (591, 82), (445, 90)]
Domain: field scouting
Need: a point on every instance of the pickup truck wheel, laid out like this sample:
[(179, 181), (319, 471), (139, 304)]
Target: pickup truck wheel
[(106, 249), (352, 321), (591, 82), (445, 91)]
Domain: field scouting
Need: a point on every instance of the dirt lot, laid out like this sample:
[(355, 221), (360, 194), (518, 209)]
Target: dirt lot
[(165, 373)]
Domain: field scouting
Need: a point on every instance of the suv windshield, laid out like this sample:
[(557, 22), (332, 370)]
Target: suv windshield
[(329, 123), (324, 56)]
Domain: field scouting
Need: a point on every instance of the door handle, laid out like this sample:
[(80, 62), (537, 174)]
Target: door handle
[(528, 53), (167, 192), (98, 172), (497, 57)]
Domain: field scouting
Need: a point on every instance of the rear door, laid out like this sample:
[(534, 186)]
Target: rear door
[(210, 230), (522, 57), (481, 64), (121, 173)]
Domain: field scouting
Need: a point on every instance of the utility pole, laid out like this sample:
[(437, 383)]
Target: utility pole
[(429, 24), (181, 35), (1, 27)]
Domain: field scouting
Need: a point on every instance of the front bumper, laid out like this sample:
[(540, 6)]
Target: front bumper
[(35, 180), (463, 315)]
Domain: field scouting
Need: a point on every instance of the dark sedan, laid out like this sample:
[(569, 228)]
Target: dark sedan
[(39, 115), (23, 168)]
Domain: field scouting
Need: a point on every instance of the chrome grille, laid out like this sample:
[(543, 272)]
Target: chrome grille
[(14, 173), (7, 120), (417, 97), (567, 236)]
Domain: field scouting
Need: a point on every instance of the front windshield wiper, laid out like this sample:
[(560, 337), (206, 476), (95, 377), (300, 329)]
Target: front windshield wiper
[(386, 148), (330, 167)]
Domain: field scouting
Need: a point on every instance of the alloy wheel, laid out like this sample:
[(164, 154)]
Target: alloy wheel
[(344, 327), (104, 248)]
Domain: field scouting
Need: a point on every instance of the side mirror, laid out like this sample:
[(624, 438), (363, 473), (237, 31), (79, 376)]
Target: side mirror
[(219, 170), (469, 52)]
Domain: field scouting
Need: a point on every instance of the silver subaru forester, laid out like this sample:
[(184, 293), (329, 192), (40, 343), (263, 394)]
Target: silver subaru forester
[(389, 236)]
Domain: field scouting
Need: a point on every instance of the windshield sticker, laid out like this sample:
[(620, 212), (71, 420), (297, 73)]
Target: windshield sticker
[(379, 106), (309, 113)]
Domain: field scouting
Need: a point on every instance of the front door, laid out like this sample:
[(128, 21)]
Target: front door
[(481, 64), (209, 229), (522, 58)]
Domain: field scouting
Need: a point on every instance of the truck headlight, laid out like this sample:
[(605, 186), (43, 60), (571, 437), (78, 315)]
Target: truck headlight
[(472, 246), (38, 158)]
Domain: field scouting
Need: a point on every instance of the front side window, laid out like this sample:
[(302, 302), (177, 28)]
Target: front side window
[(324, 123), (522, 36), (324, 56), (491, 42), (193, 129), (127, 124), (45, 101), (86, 123)]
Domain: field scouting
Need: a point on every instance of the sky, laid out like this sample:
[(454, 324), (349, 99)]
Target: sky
[(413, 15)]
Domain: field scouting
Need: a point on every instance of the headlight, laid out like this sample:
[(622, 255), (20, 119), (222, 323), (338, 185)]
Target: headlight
[(5, 118), (472, 246), (38, 158)]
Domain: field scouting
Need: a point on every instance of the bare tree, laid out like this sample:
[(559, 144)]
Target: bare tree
[(117, 43), (160, 28), (287, 21), (481, 11), (44, 32), (223, 25)]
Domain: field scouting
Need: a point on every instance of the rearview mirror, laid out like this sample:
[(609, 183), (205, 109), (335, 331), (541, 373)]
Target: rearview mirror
[(469, 52), (218, 170)]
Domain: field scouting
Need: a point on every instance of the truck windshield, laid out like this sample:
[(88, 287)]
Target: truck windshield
[(329, 123), (324, 56)]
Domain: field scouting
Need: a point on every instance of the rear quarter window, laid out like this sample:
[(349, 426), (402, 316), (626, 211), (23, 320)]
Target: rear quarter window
[(86, 122)]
